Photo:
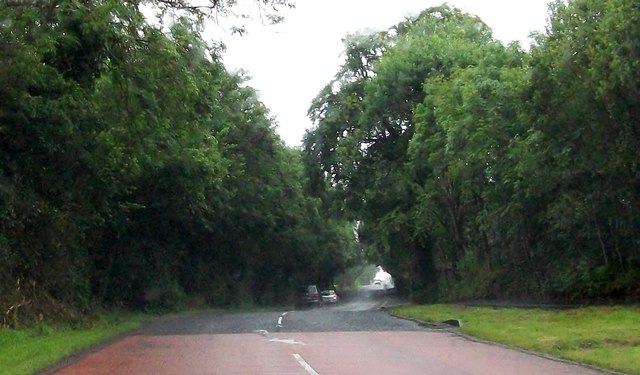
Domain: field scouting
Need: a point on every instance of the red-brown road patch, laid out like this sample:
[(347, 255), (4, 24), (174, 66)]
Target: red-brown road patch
[(371, 353)]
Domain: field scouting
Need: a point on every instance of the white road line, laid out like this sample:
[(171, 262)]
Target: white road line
[(304, 364), (280, 319), (287, 341)]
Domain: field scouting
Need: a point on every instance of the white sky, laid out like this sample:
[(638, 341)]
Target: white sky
[(291, 62)]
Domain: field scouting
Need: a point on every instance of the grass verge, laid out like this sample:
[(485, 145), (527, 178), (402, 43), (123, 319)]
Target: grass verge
[(26, 351), (606, 337)]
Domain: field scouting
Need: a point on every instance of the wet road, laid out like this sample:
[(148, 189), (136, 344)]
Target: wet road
[(352, 338)]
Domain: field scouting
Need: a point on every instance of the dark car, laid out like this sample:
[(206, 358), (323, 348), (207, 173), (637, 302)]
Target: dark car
[(307, 296)]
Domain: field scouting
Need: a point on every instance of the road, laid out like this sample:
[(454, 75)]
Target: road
[(351, 338)]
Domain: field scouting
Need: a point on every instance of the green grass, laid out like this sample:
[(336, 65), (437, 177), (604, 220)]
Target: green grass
[(26, 351), (607, 337)]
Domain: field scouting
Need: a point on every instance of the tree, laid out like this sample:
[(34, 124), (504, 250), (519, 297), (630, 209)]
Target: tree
[(589, 126), (469, 164), (136, 171), (371, 160)]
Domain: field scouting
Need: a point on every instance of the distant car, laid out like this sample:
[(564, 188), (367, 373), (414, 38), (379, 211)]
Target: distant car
[(329, 296), (308, 295), (382, 280)]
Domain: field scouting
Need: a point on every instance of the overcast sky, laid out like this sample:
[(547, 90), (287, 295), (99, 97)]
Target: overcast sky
[(291, 62)]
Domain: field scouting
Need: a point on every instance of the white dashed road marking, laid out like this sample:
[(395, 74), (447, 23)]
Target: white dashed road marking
[(279, 325), (287, 341), (304, 364)]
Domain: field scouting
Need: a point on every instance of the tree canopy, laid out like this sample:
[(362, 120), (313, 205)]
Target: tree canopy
[(479, 170), (136, 171)]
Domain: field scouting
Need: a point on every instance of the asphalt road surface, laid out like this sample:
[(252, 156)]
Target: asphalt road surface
[(358, 337)]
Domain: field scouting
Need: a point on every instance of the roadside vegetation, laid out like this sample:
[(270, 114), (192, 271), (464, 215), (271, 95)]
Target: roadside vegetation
[(606, 337), (137, 172), (28, 350), (483, 171)]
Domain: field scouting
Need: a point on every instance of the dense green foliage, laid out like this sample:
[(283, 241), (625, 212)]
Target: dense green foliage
[(135, 171), (478, 170)]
